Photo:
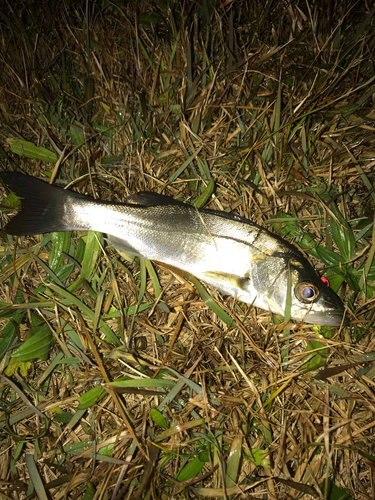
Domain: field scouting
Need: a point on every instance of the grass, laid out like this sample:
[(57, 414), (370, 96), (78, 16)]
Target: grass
[(120, 378)]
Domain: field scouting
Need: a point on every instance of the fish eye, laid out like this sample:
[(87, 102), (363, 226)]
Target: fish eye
[(306, 291)]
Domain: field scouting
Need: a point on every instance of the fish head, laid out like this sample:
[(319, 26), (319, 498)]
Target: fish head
[(268, 283), (312, 301)]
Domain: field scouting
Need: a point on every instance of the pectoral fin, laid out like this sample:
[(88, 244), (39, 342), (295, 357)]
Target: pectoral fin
[(225, 281)]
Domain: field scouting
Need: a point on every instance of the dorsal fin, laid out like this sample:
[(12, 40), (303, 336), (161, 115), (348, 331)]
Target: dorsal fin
[(229, 216), (148, 199)]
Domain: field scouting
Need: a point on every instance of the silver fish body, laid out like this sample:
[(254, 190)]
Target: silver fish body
[(240, 258)]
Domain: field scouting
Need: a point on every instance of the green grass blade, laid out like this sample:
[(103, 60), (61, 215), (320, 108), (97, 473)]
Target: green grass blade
[(92, 253), (36, 346), (35, 477), (141, 382), (206, 195), (186, 163), (28, 150), (143, 283), (233, 463), (86, 312), (211, 303), (191, 469)]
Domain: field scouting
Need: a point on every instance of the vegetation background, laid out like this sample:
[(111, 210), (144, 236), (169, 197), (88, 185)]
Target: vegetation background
[(122, 379)]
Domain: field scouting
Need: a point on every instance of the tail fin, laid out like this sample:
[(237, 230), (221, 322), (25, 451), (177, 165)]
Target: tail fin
[(43, 205)]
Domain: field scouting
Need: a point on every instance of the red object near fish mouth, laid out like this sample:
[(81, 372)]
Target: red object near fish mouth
[(325, 280)]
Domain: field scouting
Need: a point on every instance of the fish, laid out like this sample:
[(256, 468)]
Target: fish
[(231, 253)]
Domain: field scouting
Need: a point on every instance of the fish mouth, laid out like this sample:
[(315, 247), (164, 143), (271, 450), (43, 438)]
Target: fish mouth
[(326, 318)]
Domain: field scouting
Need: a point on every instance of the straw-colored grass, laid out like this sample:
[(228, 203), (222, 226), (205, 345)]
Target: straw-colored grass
[(124, 379)]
